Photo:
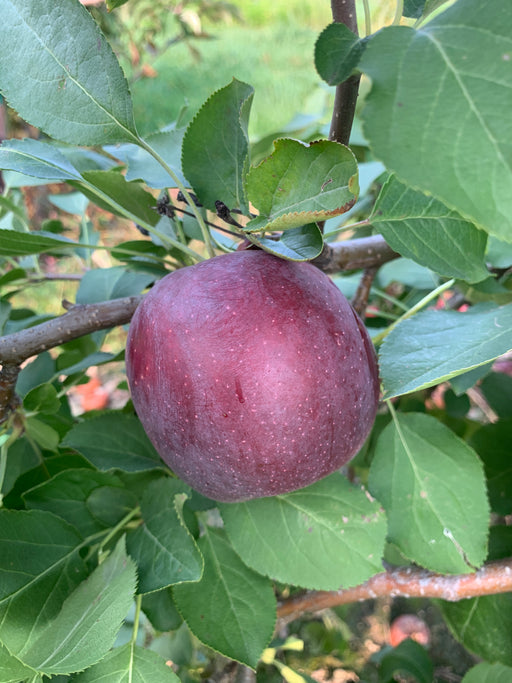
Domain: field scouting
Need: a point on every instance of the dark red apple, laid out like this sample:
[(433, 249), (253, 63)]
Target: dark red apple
[(252, 375)]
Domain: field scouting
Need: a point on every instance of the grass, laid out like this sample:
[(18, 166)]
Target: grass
[(276, 60), (272, 50)]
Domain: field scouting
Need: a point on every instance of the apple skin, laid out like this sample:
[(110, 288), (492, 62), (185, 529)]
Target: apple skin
[(251, 375)]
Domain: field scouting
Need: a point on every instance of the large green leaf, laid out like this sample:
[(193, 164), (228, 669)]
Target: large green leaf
[(73, 89), (86, 627), (326, 536), (299, 184), (129, 664), (66, 495), (432, 486), (232, 609), (488, 673), (11, 669), (162, 546), (433, 346), (492, 443), (111, 191), (142, 166), (39, 567), (426, 230), (408, 659), (114, 441), (436, 111), (216, 147), (36, 158), (483, 625), (13, 243)]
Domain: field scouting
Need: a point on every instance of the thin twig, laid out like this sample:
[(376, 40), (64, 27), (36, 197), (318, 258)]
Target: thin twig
[(360, 300), (409, 582)]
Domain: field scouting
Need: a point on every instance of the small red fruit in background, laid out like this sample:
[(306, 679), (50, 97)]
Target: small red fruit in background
[(409, 626), (251, 375)]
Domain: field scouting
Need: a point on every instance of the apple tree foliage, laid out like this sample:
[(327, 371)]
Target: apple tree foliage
[(91, 522)]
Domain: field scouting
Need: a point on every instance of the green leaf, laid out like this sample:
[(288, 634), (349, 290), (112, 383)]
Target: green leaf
[(432, 486), (62, 93), (44, 435), (162, 546), (408, 659), (114, 441), (492, 443), (11, 669), (96, 358), (459, 64), (86, 627), (36, 158), (461, 383), (111, 191), (337, 53), (425, 230), (103, 284), (298, 244), (488, 673), (129, 664), (39, 567), (66, 495), (216, 147), (14, 243), (299, 184), (160, 609), (110, 504), (42, 399), (413, 8), (497, 390), (483, 625), (327, 536), (142, 166), (232, 609), (434, 346)]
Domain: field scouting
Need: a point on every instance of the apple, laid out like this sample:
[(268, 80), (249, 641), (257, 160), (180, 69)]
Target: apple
[(252, 375)]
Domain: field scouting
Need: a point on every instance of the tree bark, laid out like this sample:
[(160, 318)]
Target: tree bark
[(409, 582)]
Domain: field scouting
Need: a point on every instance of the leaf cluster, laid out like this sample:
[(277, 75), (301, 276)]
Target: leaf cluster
[(91, 521)]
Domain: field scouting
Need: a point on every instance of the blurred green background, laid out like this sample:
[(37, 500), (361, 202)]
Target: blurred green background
[(176, 55)]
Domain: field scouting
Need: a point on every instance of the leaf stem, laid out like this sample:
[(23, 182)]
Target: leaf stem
[(197, 214), (367, 18), (136, 219), (130, 515), (398, 12), (136, 620), (414, 309)]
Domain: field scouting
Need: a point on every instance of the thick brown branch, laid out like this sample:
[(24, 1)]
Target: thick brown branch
[(365, 252), (8, 400), (493, 578), (80, 320)]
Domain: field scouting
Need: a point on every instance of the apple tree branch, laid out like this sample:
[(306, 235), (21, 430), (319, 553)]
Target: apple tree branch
[(408, 582)]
